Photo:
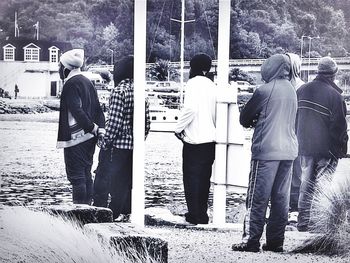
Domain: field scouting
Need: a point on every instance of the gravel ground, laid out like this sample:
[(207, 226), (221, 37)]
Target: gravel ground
[(29, 155)]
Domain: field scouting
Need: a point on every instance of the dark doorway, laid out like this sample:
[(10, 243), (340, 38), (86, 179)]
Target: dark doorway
[(53, 88)]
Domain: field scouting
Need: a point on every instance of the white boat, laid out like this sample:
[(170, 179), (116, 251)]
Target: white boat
[(164, 110)]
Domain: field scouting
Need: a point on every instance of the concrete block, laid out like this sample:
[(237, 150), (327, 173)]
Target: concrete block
[(84, 214), (135, 242)]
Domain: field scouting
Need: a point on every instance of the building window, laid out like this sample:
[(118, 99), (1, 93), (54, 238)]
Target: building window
[(9, 53), (53, 54), (31, 52)]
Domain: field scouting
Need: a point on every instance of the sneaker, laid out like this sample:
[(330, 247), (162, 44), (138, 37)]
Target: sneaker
[(265, 247), (122, 218), (293, 217), (303, 228), (243, 247)]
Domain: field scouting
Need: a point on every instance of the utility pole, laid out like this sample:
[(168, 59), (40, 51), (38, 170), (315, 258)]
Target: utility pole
[(308, 68), (182, 47), (36, 26), (16, 26)]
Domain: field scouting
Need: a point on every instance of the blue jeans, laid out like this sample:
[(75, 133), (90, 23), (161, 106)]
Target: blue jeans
[(78, 160), (313, 170), (268, 180), (295, 185), (197, 167), (114, 177)]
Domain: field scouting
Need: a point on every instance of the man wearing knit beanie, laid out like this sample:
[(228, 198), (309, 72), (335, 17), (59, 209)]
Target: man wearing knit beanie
[(81, 121), (196, 129), (322, 134)]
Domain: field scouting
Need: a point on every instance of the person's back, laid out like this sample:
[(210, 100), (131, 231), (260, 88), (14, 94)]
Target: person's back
[(273, 107), (272, 111), (201, 99), (322, 134), (321, 113)]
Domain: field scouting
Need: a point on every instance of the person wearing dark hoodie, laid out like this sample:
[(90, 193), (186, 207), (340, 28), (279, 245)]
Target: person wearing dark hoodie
[(114, 170), (81, 120), (322, 134), (272, 112)]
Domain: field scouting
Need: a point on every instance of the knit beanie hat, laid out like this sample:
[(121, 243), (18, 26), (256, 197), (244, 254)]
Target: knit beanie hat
[(73, 59), (327, 66), (200, 62), (123, 69)]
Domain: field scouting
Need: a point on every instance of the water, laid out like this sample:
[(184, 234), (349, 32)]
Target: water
[(33, 171)]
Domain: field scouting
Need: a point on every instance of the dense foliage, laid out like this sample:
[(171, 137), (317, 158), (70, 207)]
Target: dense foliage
[(259, 28)]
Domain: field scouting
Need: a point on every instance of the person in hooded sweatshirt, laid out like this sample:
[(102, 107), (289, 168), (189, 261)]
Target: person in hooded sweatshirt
[(272, 112), (81, 121), (296, 81), (196, 128)]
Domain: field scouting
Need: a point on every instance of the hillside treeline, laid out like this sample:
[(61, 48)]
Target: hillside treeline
[(259, 28)]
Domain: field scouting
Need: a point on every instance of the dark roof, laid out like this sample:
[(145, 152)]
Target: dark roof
[(44, 45)]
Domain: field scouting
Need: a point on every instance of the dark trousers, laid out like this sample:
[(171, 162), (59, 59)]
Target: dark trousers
[(314, 170), (197, 167), (114, 177), (268, 180), (78, 160), (295, 185)]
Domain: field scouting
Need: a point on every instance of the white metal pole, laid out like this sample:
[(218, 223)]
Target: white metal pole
[(138, 191), (37, 31), (219, 202), (308, 67), (182, 51)]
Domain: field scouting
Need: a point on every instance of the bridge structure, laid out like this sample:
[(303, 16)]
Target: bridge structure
[(252, 66)]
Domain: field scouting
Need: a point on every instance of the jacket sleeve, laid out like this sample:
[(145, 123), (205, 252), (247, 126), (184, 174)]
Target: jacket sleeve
[(116, 108), (188, 111), (99, 117), (250, 113), (338, 129), (74, 104)]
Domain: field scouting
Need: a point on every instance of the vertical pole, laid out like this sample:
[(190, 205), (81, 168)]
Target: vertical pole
[(16, 25), (138, 191), (182, 50), (37, 31), (308, 68), (219, 202)]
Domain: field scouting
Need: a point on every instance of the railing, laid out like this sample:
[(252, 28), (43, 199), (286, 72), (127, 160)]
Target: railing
[(233, 62)]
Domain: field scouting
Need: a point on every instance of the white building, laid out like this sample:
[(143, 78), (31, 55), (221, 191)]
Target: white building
[(32, 65)]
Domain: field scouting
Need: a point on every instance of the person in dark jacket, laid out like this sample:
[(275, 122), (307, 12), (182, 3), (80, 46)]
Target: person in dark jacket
[(272, 111), (295, 71), (114, 171), (81, 120), (322, 134)]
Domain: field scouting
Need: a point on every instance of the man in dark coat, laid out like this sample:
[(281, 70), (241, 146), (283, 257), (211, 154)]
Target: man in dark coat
[(322, 133), (81, 120)]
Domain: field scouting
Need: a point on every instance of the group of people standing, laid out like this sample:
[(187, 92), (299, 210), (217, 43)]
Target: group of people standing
[(300, 133), (82, 125)]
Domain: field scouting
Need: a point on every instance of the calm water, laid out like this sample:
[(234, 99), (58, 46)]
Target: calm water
[(32, 169)]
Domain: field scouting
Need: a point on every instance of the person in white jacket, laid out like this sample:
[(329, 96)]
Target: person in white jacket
[(196, 128)]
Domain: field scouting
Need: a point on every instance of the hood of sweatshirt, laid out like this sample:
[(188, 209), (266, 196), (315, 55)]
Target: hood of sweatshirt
[(275, 67)]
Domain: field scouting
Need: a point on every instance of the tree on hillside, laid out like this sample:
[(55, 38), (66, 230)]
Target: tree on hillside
[(163, 70)]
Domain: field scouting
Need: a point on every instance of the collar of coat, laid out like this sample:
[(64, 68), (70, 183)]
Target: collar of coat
[(330, 82)]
